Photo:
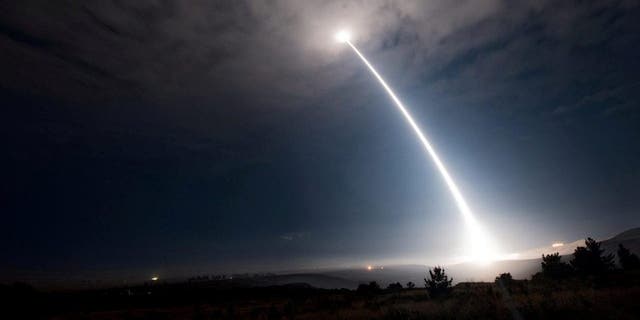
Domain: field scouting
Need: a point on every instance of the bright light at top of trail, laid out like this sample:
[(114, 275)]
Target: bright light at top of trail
[(481, 248), (343, 36)]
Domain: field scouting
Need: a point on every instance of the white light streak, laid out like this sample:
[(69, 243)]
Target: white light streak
[(481, 248)]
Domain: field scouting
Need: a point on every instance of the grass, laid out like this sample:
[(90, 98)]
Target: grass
[(524, 299)]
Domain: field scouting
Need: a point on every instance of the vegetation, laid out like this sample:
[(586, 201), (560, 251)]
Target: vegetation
[(530, 299), (560, 290), (554, 268), (504, 278), (589, 260), (394, 287), (628, 260), (371, 288), (439, 283)]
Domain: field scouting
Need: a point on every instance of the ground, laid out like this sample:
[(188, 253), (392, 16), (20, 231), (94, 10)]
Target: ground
[(576, 299)]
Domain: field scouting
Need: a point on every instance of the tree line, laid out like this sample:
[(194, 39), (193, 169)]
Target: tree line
[(589, 260)]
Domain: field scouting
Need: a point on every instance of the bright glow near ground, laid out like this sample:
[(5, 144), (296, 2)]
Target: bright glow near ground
[(481, 248)]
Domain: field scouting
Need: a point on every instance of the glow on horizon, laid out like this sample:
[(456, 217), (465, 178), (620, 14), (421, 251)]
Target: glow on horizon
[(482, 249)]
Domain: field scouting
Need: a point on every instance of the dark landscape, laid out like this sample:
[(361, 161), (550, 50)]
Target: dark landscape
[(319, 159), (606, 285)]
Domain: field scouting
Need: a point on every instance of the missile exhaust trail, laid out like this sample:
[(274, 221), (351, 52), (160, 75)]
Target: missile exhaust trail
[(480, 243), (457, 195)]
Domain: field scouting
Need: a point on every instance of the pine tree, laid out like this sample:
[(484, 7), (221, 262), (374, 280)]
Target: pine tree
[(439, 283), (590, 259), (628, 260)]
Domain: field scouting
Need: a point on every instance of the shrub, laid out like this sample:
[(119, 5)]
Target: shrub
[(505, 278), (554, 268), (372, 287), (394, 286), (439, 283)]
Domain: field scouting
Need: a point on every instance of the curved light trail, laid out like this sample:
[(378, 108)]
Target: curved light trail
[(481, 248)]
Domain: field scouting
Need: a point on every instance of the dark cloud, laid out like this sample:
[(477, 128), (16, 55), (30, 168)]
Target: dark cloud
[(167, 51)]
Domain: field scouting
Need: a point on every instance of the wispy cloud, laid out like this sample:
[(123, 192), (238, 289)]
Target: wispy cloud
[(164, 51), (290, 236)]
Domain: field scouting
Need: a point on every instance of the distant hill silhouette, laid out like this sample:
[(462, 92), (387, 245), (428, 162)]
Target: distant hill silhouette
[(350, 278), (627, 235), (464, 272), (630, 239)]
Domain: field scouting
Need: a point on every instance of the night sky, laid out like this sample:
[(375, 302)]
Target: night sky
[(184, 137)]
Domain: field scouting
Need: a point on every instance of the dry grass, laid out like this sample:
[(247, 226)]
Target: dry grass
[(467, 301)]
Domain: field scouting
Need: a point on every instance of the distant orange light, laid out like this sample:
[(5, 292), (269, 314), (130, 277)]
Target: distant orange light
[(369, 268), (154, 278), (557, 244)]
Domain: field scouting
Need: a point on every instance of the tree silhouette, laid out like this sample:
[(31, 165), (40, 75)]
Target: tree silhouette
[(439, 283), (372, 287), (505, 281), (505, 278), (628, 260), (553, 267), (590, 260), (394, 286), (410, 285)]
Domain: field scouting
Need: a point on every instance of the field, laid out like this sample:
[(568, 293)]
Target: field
[(613, 298)]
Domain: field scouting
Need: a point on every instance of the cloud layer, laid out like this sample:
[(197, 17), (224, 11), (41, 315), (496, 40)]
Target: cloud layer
[(282, 50)]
